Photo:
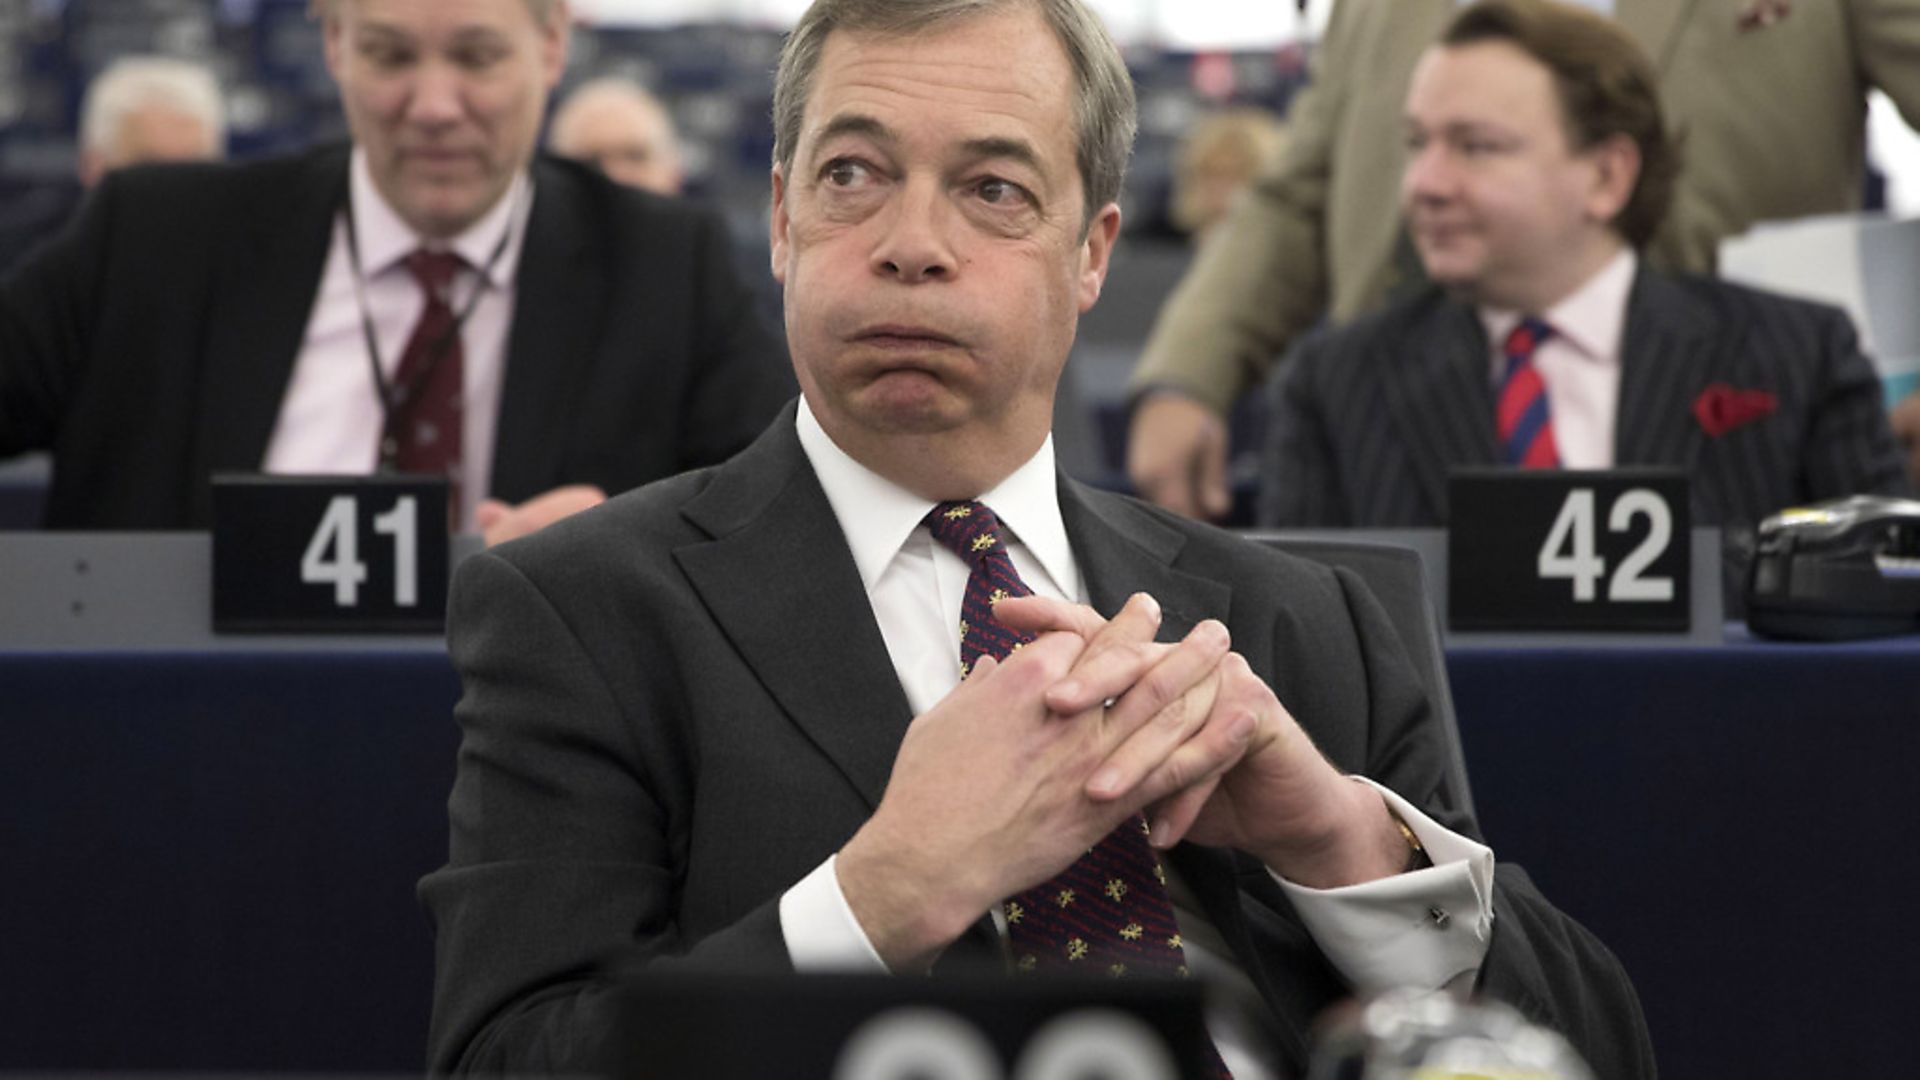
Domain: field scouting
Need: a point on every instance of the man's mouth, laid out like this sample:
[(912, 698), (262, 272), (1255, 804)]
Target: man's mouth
[(904, 337)]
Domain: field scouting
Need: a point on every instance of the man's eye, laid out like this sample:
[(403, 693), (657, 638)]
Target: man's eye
[(1000, 192), (477, 59), (844, 173), (386, 56)]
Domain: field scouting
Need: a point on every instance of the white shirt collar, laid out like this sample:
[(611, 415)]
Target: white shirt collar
[(1591, 318), (878, 516), (385, 239)]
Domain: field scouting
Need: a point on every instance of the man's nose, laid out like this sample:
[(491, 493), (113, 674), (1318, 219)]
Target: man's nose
[(1427, 175), (438, 91), (916, 244)]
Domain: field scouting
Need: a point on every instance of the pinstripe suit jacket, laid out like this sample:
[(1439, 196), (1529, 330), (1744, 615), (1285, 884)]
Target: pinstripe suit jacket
[(1371, 417)]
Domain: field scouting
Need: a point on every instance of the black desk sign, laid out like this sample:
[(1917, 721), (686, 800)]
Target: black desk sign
[(329, 553), (1555, 549)]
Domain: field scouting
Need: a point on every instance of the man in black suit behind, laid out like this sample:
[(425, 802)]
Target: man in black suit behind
[(209, 318), (722, 722), (1538, 166)]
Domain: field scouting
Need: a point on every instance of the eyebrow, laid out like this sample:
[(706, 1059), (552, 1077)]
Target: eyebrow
[(855, 124), (995, 146)]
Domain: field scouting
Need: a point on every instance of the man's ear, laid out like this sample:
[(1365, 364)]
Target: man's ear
[(1616, 162), (777, 227), (1096, 254), (556, 42), (330, 44)]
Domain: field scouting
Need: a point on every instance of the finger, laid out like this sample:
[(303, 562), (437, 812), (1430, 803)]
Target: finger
[(1210, 481), (1160, 714), (1167, 823), (1039, 614), (1178, 790), (1171, 493), (1117, 657)]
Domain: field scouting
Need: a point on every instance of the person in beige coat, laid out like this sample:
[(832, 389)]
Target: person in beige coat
[(1769, 98)]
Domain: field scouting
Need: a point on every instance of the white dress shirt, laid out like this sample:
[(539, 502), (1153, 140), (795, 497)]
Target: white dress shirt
[(330, 419), (1579, 362), (1379, 934)]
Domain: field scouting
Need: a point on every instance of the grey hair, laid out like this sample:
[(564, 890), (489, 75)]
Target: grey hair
[(1104, 113), (132, 83)]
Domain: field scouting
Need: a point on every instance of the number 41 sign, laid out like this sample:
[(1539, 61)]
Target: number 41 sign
[(1568, 550), (333, 553)]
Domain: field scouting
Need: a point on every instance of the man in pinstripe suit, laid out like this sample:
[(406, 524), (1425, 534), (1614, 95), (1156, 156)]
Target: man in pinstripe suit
[(1538, 167)]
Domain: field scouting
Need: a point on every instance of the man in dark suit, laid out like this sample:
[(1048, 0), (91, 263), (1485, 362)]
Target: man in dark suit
[(211, 318), (1538, 168), (774, 715)]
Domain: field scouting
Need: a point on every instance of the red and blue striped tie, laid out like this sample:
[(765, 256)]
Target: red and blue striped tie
[(1524, 421), (1109, 913)]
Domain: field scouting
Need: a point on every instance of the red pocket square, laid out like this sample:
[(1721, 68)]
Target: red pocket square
[(1721, 408)]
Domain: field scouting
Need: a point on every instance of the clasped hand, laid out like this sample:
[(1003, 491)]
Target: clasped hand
[(1030, 761)]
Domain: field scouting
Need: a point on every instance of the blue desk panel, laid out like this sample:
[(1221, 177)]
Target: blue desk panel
[(209, 859), (1734, 822)]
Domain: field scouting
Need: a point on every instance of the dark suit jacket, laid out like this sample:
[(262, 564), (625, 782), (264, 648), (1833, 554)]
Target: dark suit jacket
[(151, 345), (679, 703), (1365, 426)]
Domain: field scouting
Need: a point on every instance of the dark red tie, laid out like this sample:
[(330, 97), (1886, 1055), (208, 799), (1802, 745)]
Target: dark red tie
[(1109, 913), (1524, 423), (425, 426)]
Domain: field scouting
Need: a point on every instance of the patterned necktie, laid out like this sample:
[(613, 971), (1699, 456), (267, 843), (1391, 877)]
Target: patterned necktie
[(1525, 425), (424, 431), (1108, 913)]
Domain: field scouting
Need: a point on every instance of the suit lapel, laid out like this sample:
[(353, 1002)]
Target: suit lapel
[(1439, 393), (1123, 548), (1667, 353), (258, 315), (557, 313), (812, 640)]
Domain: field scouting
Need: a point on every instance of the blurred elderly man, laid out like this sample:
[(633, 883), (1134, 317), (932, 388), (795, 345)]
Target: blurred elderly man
[(431, 299), (617, 126), (150, 108)]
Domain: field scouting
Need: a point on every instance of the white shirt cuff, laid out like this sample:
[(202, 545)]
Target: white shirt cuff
[(821, 931), (1427, 929)]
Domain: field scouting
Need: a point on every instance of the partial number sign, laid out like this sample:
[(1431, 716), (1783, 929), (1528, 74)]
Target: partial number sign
[(335, 553), (1569, 550)]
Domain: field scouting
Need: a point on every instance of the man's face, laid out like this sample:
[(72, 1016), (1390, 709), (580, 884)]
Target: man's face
[(445, 97), (631, 141), (1499, 204), (930, 242)]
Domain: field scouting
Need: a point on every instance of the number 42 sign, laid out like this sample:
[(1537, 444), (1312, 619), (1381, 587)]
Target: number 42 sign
[(1568, 550), (334, 553)]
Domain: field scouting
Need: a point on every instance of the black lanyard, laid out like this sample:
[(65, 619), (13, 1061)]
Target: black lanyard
[(385, 392)]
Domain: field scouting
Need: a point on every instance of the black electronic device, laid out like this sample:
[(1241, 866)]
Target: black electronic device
[(1844, 568), (879, 1027)]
